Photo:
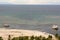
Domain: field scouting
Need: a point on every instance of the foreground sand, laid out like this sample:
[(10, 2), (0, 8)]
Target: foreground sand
[(20, 32)]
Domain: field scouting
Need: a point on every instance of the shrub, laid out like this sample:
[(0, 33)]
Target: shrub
[(1, 38)]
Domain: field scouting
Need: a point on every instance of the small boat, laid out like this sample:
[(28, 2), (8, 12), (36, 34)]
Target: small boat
[(6, 25), (55, 27)]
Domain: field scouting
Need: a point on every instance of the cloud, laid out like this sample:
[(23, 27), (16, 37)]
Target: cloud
[(12, 1), (33, 1)]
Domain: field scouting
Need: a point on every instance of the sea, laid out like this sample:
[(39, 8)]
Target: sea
[(30, 17)]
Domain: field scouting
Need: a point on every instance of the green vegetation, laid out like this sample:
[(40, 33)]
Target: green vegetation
[(57, 36), (1, 38), (16, 38), (49, 37), (35, 38), (9, 37), (32, 37)]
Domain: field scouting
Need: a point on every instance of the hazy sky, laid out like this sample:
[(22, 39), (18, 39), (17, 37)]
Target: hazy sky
[(31, 1)]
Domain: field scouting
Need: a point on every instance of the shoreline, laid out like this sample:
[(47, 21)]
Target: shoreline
[(21, 32)]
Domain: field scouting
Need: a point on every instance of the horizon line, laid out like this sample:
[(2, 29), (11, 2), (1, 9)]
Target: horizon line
[(26, 4)]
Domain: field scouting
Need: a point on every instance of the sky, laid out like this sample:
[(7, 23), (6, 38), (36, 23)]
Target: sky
[(30, 1)]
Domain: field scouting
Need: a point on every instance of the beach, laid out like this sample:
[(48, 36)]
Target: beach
[(4, 33)]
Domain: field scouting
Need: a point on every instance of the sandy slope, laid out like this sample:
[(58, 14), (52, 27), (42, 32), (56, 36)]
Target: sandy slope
[(20, 32)]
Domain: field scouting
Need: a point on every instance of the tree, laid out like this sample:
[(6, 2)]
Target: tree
[(15, 38), (25, 38), (32, 38), (20, 38), (59, 38), (49, 37), (1, 38), (37, 38), (40, 37), (9, 37), (44, 38), (56, 35)]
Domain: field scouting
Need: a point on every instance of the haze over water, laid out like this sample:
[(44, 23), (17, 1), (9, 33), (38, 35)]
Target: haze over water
[(33, 17)]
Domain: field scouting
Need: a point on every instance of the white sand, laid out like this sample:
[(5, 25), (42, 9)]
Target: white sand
[(16, 33)]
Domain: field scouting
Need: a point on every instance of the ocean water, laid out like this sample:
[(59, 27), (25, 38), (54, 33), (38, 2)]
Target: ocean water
[(32, 17)]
